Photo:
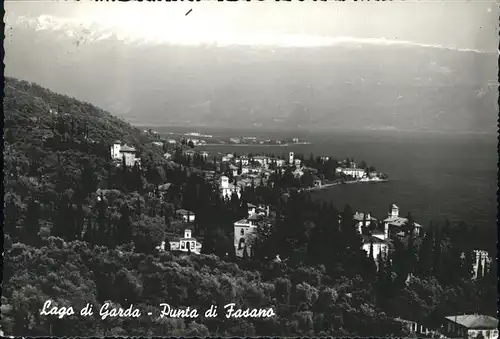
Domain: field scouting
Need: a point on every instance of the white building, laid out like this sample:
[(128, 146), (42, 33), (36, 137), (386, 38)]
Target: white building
[(167, 156), (357, 173), (245, 231), (483, 257), (363, 219), (227, 189), (291, 157), (185, 244), (185, 215), (379, 247), (280, 162), (243, 160), (228, 157), (297, 162), (204, 154), (171, 141), (393, 223), (263, 161), (119, 151), (470, 326)]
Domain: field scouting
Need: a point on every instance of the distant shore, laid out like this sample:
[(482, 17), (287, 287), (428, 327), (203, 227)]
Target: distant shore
[(260, 145)]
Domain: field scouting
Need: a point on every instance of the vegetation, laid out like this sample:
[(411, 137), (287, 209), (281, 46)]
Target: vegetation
[(79, 229)]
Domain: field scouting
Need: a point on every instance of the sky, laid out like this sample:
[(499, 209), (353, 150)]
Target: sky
[(465, 25)]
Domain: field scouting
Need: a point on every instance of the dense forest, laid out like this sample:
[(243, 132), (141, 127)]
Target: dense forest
[(78, 229)]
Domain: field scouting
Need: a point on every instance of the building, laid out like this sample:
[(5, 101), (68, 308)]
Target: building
[(243, 160), (413, 327), (185, 244), (244, 233), (227, 189), (291, 157), (298, 173), (482, 262), (167, 156), (470, 326), (379, 247), (234, 140), (185, 215), (297, 162), (356, 173), (158, 143), (228, 157), (119, 151), (363, 219), (280, 162), (171, 142), (263, 161), (204, 154), (393, 223)]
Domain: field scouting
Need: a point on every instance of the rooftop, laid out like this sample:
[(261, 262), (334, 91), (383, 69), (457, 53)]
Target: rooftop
[(183, 211), (126, 148), (475, 321), (359, 216), (399, 221)]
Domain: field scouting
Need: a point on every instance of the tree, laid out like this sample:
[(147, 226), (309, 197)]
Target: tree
[(32, 222)]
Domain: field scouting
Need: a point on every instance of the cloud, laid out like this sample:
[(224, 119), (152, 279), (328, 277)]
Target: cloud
[(199, 35)]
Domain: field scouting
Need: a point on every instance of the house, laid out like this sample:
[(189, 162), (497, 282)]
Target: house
[(297, 162), (188, 153), (317, 183), (413, 327), (227, 189), (378, 247), (228, 157), (363, 219), (184, 244), (185, 215), (158, 143), (262, 210), (167, 156), (393, 223), (243, 160), (482, 262), (471, 326), (204, 154), (295, 140), (171, 142), (298, 173), (251, 209), (234, 140), (356, 173), (280, 162), (245, 231), (291, 157), (119, 151), (263, 161)]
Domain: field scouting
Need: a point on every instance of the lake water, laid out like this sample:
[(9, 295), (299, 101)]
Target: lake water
[(433, 176)]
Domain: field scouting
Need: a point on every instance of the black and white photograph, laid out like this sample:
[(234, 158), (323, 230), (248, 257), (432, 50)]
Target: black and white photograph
[(250, 168)]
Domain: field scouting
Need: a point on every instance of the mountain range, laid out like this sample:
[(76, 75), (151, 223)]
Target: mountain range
[(351, 84)]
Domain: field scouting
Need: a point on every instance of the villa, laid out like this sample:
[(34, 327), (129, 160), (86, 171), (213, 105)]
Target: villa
[(244, 233), (119, 151), (378, 247), (470, 326), (184, 244), (227, 189), (393, 224), (185, 215), (357, 173), (363, 220)]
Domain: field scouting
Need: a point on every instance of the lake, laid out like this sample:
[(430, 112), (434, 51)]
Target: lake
[(433, 176)]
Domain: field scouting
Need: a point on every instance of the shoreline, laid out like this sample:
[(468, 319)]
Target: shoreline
[(325, 186)]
